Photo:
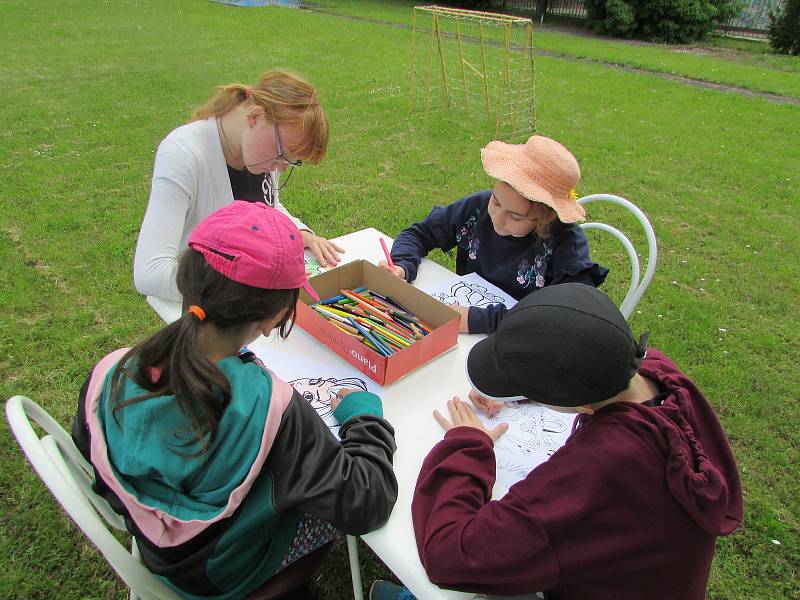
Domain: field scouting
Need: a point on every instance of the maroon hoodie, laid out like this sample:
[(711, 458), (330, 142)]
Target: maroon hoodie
[(628, 508)]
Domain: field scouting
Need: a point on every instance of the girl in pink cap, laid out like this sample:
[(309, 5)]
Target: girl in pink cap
[(235, 147), (229, 480), (521, 236)]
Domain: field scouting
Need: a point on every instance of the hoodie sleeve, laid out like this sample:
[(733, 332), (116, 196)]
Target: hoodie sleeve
[(572, 262), (440, 229), (485, 319), (352, 483), (468, 542), (414, 242)]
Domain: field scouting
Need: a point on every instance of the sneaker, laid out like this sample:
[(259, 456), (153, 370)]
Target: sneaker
[(386, 590)]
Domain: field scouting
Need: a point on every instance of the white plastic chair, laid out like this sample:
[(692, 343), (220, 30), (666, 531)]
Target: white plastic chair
[(69, 478), (638, 283)]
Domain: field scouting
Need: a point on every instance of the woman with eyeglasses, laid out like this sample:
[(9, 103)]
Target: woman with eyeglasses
[(235, 147)]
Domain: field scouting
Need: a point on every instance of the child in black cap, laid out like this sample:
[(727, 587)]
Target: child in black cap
[(628, 508)]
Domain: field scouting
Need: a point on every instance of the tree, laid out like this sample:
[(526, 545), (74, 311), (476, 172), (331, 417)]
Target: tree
[(672, 21), (784, 28)]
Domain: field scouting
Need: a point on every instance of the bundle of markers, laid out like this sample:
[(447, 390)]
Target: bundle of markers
[(378, 321)]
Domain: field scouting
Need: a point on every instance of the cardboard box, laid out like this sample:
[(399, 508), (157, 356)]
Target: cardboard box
[(382, 369)]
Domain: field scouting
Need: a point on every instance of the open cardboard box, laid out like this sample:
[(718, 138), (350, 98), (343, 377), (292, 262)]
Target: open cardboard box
[(382, 369)]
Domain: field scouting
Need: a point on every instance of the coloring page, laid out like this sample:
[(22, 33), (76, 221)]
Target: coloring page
[(313, 267), (317, 383), (469, 290), (534, 434)]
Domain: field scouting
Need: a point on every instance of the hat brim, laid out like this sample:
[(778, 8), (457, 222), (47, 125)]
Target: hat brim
[(504, 162), (310, 290), (486, 376)]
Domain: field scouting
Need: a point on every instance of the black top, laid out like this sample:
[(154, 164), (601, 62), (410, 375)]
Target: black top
[(252, 188)]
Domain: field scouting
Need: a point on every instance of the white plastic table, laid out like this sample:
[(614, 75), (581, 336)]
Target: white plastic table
[(408, 405)]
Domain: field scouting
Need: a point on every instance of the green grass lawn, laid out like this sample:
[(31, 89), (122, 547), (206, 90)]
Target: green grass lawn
[(748, 64), (90, 88)]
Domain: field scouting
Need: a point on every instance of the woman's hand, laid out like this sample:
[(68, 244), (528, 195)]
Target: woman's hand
[(490, 407), (395, 270), (464, 416), (325, 251)]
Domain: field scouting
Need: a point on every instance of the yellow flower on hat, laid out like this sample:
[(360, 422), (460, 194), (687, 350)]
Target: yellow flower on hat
[(573, 194)]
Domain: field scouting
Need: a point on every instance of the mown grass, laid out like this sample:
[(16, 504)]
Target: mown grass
[(748, 64), (90, 88)]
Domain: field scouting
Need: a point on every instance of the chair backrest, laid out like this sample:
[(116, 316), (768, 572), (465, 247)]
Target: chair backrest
[(639, 282), (69, 478)]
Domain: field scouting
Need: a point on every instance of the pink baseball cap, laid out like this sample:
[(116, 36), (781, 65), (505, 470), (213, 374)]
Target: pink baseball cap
[(253, 244)]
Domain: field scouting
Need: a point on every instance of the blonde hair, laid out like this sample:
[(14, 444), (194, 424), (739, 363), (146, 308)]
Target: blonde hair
[(285, 98), (546, 217)]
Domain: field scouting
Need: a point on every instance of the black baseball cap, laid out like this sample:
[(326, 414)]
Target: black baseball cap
[(563, 345)]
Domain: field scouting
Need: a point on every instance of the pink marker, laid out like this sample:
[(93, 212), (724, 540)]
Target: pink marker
[(386, 253)]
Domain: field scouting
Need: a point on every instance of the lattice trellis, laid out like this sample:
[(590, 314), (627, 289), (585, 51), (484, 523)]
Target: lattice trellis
[(477, 62)]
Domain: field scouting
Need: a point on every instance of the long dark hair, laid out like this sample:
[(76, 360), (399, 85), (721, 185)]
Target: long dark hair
[(201, 390)]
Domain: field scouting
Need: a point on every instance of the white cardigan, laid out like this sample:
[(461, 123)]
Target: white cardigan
[(190, 181)]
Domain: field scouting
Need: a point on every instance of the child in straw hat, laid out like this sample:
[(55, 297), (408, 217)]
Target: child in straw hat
[(521, 236)]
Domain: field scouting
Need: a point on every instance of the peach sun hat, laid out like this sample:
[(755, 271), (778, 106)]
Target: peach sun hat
[(541, 169)]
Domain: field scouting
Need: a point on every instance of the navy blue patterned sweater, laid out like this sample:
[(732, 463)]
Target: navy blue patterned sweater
[(517, 265)]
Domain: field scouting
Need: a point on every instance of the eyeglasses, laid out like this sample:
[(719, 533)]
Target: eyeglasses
[(279, 147)]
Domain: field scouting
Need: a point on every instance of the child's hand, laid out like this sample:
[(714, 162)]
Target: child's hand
[(341, 395), (325, 251), (463, 326), (464, 416), (397, 271), (490, 407)]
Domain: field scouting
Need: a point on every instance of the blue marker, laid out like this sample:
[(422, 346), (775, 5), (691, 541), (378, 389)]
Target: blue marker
[(369, 336)]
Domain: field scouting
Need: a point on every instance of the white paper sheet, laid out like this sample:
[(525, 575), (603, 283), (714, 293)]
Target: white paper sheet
[(316, 382), (469, 290), (534, 434), (312, 266)]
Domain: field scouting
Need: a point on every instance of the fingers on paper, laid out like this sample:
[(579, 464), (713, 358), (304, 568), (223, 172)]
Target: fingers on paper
[(498, 431), (330, 251), (446, 425)]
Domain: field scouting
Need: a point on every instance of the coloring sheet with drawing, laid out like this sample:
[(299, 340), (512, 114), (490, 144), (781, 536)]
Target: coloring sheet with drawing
[(469, 290), (313, 267), (534, 434), (317, 383)]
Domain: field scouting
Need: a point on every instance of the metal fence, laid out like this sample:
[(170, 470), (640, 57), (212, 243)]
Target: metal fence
[(752, 22)]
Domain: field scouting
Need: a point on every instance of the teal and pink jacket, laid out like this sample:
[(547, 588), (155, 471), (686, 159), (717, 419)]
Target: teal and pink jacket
[(218, 524)]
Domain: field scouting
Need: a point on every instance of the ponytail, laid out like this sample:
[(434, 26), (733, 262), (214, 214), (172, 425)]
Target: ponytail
[(286, 98), (170, 362), (224, 99)]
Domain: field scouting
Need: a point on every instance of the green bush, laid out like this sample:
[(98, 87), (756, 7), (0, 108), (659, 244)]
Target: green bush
[(784, 28), (672, 21)]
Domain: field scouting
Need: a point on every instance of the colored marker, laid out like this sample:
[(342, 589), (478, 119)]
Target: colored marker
[(386, 253), (369, 336), (366, 305), (388, 333), (398, 305), (335, 299), (386, 343)]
